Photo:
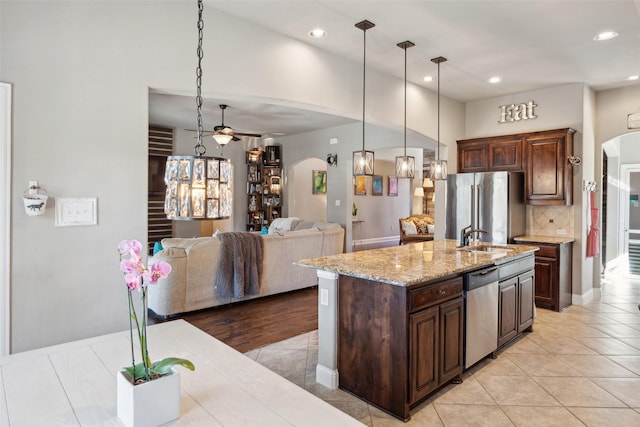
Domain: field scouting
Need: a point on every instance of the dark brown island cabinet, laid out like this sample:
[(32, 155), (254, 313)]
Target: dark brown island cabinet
[(543, 157), (397, 344)]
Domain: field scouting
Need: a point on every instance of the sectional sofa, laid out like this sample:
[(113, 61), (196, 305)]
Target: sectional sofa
[(194, 262)]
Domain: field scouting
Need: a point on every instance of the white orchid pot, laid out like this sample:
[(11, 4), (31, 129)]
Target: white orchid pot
[(151, 403)]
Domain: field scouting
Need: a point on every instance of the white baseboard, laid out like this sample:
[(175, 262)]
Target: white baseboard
[(583, 299), (327, 377)]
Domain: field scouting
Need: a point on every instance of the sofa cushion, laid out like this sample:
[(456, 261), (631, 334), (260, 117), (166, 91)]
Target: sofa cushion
[(283, 224), (187, 242), (295, 232), (409, 228)]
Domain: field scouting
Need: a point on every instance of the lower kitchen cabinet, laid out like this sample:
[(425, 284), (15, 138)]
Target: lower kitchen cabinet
[(515, 306), (553, 276), (396, 345), (436, 347)]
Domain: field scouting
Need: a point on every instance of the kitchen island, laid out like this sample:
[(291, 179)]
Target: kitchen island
[(391, 319)]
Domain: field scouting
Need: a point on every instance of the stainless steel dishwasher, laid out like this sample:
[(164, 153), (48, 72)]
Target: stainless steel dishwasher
[(481, 314)]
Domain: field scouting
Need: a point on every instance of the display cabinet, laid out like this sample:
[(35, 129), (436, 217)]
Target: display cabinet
[(264, 187)]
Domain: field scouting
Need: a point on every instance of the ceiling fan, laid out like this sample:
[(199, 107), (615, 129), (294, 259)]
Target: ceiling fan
[(223, 134)]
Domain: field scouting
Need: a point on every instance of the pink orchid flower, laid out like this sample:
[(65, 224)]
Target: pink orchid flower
[(132, 246), (158, 270), (133, 272)]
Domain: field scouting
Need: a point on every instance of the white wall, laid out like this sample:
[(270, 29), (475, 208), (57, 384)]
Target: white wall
[(82, 72)]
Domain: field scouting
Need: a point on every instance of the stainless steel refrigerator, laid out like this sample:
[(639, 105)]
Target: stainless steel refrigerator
[(490, 201)]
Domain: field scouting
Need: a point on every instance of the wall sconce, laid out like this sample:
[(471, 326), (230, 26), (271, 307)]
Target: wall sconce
[(35, 199)]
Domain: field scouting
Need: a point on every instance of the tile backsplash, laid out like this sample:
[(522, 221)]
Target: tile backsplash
[(550, 220)]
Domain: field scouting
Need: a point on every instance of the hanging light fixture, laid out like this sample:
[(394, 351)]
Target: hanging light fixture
[(363, 160), (438, 167), (405, 165), (198, 187)]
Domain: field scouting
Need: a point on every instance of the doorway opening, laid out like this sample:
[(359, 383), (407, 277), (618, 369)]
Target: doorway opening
[(621, 208)]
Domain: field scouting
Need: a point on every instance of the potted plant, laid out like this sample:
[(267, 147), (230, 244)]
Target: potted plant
[(354, 212), (148, 393)]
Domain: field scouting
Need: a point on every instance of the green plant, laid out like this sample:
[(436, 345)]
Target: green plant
[(354, 210), (138, 277)]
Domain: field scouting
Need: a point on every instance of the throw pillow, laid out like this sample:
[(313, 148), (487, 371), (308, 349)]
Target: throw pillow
[(431, 228), (409, 228), (157, 247), (422, 227)]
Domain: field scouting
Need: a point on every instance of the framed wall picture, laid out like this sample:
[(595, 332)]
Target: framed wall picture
[(376, 185), (360, 188), (393, 186), (319, 182)]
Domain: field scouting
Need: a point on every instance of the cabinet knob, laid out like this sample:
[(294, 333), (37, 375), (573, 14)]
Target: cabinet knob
[(442, 292)]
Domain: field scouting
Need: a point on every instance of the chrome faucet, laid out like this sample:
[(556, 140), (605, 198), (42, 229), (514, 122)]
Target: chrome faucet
[(466, 234)]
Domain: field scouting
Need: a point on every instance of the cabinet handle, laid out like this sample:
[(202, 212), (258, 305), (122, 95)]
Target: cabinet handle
[(441, 292)]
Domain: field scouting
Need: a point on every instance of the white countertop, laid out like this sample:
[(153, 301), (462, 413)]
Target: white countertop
[(74, 384)]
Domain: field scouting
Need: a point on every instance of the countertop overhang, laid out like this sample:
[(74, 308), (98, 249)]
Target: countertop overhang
[(413, 263)]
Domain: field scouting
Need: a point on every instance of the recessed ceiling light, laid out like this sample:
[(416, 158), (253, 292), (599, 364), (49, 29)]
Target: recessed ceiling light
[(633, 77), (494, 80), (428, 78), (606, 35), (317, 33)]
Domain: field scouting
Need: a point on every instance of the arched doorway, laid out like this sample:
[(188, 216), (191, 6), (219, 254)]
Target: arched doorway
[(621, 207)]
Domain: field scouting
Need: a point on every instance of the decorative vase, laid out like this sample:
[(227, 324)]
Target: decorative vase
[(150, 403), (354, 217)]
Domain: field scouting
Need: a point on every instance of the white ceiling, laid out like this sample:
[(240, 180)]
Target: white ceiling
[(530, 44)]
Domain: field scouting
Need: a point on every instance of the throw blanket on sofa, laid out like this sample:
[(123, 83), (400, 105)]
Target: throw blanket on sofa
[(239, 265)]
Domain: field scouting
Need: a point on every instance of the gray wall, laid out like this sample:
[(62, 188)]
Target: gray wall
[(301, 202)]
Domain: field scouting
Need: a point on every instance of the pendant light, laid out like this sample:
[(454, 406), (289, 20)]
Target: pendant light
[(363, 159), (405, 165), (198, 187), (438, 167)]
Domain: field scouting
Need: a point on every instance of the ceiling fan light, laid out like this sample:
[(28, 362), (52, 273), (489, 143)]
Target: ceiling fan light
[(222, 139)]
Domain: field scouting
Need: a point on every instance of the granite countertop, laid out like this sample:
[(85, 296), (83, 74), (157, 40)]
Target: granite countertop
[(554, 240), (413, 263)]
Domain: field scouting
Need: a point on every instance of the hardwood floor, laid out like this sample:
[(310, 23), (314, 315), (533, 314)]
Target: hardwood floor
[(252, 324)]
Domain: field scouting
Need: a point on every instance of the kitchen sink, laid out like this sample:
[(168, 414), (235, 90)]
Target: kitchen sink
[(487, 248)]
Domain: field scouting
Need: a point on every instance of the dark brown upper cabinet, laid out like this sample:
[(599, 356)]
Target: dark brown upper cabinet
[(542, 156)]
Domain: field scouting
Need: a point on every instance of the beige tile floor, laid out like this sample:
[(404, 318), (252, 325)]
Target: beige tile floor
[(579, 367)]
